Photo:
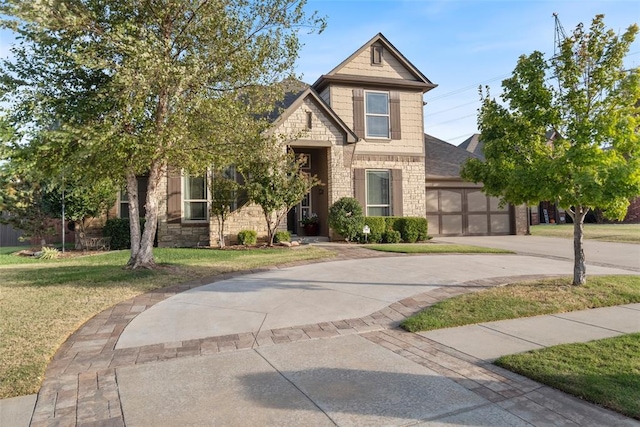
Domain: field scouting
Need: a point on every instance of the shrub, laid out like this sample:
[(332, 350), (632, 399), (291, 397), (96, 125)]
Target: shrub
[(248, 237), (391, 236), (282, 236), (118, 230), (48, 253), (412, 229), (346, 218)]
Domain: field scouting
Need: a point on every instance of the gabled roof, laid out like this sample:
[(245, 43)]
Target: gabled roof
[(443, 159), (473, 145), (421, 81), (294, 104)]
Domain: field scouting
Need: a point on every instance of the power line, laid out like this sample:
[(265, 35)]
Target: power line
[(453, 120), (453, 108), (466, 88)]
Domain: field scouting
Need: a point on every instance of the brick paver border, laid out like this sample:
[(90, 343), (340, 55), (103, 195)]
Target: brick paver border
[(80, 386)]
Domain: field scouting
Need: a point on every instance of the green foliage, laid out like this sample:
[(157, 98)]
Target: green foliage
[(275, 181), (118, 230), (248, 237), (117, 89), (282, 236), (346, 218), (412, 229), (48, 253), (391, 236), (577, 145), (377, 227)]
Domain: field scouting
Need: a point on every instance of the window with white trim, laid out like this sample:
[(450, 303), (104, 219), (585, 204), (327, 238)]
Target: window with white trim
[(378, 192), (123, 204), (195, 196), (376, 111)]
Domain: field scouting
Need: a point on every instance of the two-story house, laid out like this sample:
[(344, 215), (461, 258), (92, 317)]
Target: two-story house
[(362, 133)]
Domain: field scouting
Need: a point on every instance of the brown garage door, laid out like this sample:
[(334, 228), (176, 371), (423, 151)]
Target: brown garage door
[(465, 212)]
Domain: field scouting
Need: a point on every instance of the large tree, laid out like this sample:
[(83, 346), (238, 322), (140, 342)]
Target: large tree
[(566, 131), (124, 88)]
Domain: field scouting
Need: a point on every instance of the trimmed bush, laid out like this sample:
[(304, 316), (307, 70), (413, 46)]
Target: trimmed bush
[(248, 237), (282, 236), (412, 229), (391, 236), (118, 230), (346, 218)]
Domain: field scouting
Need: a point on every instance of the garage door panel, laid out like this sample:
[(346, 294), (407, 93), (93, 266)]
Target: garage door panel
[(433, 222), (451, 224), (432, 201), (478, 224), (450, 201), (500, 223), (477, 201), (495, 205)]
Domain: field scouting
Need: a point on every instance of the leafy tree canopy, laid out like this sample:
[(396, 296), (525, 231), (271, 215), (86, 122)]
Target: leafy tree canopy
[(124, 88), (566, 129)]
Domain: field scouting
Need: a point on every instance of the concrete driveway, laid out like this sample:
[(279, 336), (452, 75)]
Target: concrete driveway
[(245, 351)]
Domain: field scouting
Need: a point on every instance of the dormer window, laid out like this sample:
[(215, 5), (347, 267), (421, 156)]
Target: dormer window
[(376, 55)]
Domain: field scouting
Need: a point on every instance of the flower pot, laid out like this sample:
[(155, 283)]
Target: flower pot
[(311, 229)]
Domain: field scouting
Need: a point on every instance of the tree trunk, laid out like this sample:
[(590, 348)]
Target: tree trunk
[(134, 215), (221, 242), (144, 256), (579, 268)]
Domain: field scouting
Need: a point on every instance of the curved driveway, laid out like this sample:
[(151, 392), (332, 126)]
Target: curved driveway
[(321, 292)]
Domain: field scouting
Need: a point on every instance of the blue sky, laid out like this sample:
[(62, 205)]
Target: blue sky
[(457, 44)]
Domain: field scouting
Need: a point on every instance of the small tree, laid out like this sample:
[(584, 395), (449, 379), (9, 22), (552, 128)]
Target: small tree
[(592, 158), (81, 201), (275, 181), (346, 218), (22, 205), (224, 198)]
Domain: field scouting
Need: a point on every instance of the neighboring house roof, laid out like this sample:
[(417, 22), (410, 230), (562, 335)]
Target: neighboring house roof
[(473, 145), (420, 80), (295, 103), (443, 159)]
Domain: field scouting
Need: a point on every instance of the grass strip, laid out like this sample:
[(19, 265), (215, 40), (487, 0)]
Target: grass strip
[(526, 299), (605, 372), (621, 233), (434, 248), (43, 302)]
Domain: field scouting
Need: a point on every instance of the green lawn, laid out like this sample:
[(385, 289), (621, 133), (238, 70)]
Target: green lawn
[(625, 233), (433, 248), (43, 302), (605, 372), (526, 299)]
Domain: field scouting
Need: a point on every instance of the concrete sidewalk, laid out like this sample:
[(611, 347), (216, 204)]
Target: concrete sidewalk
[(325, 351)]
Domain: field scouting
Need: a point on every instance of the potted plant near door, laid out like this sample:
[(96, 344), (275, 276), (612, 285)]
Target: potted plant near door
[(311, 225)]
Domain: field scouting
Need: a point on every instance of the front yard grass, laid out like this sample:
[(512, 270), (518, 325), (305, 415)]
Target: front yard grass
[(43, 302), (605, 372), (623, 233), (526, 299), (434, 248)]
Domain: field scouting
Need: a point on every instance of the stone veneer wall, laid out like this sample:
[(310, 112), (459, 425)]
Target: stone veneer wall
[(249, 217), (413, 178)]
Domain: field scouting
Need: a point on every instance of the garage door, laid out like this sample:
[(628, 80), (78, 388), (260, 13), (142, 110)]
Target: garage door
[(465, 212)]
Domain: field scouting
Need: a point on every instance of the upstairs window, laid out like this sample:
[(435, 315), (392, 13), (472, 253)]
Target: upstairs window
[(196, 198), (377, 115)]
